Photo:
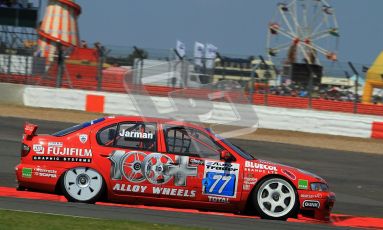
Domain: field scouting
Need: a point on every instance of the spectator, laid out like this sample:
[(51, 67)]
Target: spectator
[(303, 93), (84, 44)]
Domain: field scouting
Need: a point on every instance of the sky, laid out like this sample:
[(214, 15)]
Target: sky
[(234, 26)]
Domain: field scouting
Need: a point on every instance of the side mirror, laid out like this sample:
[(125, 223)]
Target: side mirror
[(226, 156)]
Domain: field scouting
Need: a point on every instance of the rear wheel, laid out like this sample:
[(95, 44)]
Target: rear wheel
[(275, 198), (82, 184)]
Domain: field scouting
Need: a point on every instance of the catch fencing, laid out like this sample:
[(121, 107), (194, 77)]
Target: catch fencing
[(336, 87)]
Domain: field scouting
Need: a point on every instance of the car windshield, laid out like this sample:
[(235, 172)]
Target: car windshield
[(236, 148), (77, 127)]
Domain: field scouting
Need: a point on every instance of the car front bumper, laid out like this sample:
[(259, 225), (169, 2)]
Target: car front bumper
[(316, 204)]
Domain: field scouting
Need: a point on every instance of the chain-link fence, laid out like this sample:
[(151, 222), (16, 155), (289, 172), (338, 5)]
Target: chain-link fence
[(335, 86)]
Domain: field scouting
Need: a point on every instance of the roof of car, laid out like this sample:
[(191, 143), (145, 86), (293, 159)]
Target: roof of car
[(151, 119)]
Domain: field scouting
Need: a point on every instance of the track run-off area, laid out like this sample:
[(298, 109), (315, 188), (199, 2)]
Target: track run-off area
[(356, 178)]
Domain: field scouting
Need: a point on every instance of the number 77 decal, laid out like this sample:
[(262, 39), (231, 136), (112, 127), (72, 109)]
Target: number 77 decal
[(217, 179), (220, 182)]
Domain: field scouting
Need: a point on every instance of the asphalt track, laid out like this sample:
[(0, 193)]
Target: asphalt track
[(356, 178)]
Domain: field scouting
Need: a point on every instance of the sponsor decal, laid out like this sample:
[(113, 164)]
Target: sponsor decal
[(174, 192), (250, 180), (289, 174), (193, 161), (311, 204), (55, 144), (246, 187), (73, 152), (45, 172), (216, 199), (311, 196), (129, 188), (135, 134), (155, 190), (251, 166), (83, 138), (266, 162), (54, 150), (303, 184), (38, 149), (221, 166), (26, 173), (156, 168), (220, 179), (65, 159)]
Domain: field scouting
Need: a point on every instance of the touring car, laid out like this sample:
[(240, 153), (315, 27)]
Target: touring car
[(163, 162)]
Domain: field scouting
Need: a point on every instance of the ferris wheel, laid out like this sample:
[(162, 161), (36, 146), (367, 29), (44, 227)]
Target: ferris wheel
[(303, 29)]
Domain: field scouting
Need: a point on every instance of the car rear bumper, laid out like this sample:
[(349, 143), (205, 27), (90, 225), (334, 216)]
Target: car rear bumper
[(37, 177)]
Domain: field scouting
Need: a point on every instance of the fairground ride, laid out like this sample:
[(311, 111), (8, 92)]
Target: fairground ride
[(303, 31)]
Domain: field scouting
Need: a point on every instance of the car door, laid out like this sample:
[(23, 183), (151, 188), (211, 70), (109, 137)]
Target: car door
[(126, 145), (198, 169)]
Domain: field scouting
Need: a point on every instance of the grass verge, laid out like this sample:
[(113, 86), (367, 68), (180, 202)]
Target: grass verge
[(12, 220)]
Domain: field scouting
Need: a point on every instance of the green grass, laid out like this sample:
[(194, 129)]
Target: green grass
[(11, 220)]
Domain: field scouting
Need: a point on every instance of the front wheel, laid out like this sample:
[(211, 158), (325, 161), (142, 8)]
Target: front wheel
[(82, 184), (275, 198)]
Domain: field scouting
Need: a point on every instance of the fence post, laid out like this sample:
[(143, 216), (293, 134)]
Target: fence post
[(183, 77), (60, 64), (174, 79), (222, 62), (141, 69), (310, 86), (310, 89), (356, 95), (9, 63), (141, 57), (26, 66), (101, 60), (169, 58), (186, 72), (266, 79), (252, 78)]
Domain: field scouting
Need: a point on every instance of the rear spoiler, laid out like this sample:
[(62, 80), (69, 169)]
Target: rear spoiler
[(29, 130)]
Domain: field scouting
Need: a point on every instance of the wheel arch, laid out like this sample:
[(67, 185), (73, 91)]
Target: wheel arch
[(58, 189)]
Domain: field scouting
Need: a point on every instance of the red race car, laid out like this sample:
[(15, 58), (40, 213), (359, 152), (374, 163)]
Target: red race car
[(163, 162)]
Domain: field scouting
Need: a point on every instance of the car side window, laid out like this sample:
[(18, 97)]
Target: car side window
[(189, 141), (105, 136), (140, 136)]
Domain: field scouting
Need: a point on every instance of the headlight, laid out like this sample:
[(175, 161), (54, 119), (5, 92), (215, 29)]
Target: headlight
[(319, 187)]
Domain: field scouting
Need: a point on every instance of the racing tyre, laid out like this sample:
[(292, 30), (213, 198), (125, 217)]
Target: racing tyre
[(275, 198), (82, 184)]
